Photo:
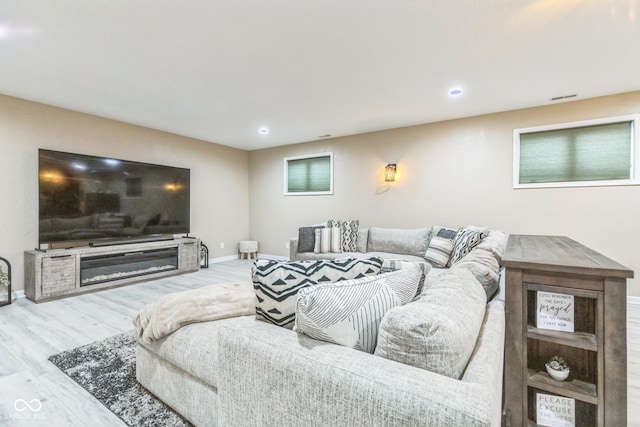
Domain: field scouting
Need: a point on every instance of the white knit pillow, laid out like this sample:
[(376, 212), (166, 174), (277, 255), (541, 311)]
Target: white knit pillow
[(349, 312)]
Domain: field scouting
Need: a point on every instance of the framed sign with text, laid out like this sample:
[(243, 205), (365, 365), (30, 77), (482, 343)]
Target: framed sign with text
[(554, 311)]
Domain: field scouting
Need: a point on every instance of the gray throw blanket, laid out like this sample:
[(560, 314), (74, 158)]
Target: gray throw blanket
[(173, 311)]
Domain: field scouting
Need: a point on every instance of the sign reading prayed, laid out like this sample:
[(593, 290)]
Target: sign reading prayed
[(555, 411), (555, 311)]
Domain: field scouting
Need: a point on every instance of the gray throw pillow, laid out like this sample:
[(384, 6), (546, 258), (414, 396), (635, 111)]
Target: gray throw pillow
[(307, 238)]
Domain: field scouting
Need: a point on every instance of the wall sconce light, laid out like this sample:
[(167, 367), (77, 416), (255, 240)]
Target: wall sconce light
[(390, 172)]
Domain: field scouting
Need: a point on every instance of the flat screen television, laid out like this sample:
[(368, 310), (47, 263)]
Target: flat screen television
[(98, 199)]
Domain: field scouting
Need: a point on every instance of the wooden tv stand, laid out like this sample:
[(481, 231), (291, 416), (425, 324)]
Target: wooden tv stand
[(59, 273)]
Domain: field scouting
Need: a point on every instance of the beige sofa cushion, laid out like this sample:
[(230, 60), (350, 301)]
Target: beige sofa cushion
[(438, 331), (484, 261), (194, 348), (399, 241)]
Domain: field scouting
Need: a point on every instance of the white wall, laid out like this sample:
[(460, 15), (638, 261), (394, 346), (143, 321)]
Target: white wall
[(219, 175), (452, 173)]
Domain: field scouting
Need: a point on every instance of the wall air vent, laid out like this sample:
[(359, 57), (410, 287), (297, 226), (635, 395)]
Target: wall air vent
[(558, 98)]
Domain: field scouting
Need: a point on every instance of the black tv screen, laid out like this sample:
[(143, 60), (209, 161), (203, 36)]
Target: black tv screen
[(89, 198)]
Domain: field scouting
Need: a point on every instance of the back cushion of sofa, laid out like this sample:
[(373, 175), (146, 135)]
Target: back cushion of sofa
[(277, 282), (484, 266), (484, 261), (363, 238), (399, 241), (438, 331)]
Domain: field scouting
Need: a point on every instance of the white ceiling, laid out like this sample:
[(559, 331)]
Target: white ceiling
[(219, 70)]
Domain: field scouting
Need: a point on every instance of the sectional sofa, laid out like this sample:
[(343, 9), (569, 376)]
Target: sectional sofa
[(438, 360)]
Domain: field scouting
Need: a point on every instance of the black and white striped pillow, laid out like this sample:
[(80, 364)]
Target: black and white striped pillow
[(349, 312), (441, 246)]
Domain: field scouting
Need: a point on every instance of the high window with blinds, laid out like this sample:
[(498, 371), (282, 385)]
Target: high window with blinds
[(591, 153), (308, 175)]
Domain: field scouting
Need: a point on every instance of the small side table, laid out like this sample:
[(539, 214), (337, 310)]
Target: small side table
[(248, 249)]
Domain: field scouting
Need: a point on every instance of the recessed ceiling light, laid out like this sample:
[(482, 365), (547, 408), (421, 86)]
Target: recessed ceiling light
[(455, 92), (263, 131)]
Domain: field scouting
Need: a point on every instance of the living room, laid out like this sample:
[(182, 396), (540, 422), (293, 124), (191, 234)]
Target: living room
[(453, 172)]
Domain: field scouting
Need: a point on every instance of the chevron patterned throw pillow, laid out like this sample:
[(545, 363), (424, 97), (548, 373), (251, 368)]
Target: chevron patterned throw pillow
[(277, 282)]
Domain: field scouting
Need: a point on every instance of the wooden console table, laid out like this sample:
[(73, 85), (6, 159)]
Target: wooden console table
[(596, 351)]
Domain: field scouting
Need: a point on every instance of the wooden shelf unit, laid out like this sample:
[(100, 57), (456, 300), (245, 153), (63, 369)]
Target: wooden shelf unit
[(596, 352), (58, 273)]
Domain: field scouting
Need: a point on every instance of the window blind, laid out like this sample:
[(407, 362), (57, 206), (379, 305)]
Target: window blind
[(309, 175), (588, 153)]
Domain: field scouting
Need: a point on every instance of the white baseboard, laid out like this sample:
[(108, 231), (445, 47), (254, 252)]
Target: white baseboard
[(222, 259), (262, 256), (274, 257), (17, 294), (633, 300)]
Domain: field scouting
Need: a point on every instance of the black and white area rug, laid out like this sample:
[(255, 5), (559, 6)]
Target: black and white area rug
[(107, 370)]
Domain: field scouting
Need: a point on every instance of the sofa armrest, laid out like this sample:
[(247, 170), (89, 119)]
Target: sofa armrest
[(293, 249), (274, 376)]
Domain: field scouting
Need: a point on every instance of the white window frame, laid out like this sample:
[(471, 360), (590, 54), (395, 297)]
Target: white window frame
[(308, 193), (633, 155)]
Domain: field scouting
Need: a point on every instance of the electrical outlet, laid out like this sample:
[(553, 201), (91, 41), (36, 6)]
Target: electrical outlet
[(286, 245), (221, 245)]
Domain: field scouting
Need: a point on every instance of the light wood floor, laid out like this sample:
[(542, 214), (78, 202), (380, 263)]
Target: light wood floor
[(30, 333)]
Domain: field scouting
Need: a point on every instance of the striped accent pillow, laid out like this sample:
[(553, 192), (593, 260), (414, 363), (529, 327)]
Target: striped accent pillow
[(328, 239), (397, 264), (440, 246), (349, 312)]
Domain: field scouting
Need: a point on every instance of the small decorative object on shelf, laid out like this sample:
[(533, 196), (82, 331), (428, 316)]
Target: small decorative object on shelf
[(5, 282), (557, 368), (204, 256)]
